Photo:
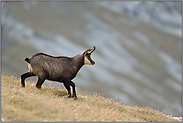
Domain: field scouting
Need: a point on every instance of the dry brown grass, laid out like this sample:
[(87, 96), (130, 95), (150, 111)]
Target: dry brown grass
[(51, 104)]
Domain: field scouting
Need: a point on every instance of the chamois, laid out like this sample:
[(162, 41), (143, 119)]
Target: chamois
[(60, 69)]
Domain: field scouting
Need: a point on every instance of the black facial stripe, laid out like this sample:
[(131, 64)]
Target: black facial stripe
[(89, 58)]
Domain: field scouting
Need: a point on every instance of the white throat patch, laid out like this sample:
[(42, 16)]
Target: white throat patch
[(86, 61)]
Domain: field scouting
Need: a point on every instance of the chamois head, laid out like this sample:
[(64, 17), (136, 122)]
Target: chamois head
[(87, 56)]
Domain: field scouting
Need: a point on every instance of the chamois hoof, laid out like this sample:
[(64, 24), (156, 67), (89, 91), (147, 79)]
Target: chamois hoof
[(75, 97), (69, 96), (23, 86), (38, 87)]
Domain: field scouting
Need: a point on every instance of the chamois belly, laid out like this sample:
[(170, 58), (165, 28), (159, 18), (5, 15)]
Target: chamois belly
[(60, 76)]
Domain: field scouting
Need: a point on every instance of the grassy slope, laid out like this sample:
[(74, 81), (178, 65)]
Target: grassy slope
[(51, 104)]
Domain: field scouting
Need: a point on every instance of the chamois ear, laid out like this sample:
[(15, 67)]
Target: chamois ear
[(88, 50), (93, 49)]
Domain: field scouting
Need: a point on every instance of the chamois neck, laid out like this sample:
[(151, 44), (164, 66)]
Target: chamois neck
[(79, 60)]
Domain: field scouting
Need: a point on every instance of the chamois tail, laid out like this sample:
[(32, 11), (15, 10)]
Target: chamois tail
[(27, 60)]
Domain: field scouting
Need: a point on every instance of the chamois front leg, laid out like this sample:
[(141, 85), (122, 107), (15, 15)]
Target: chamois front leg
[(68, 88), (74, 91)]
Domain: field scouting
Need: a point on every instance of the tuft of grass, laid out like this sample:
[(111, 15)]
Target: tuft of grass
[(50, 104)]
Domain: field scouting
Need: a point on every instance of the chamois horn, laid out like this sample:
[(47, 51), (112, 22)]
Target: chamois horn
[(93, 49)]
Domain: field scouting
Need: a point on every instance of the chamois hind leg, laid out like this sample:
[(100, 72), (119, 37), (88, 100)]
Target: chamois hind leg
[(68, 88), (40, 82), (24, 76)]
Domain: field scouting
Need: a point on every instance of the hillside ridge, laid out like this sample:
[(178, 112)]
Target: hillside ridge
[(52, 105)]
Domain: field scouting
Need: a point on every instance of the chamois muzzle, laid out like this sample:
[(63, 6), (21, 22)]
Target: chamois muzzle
[(92, 62)]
